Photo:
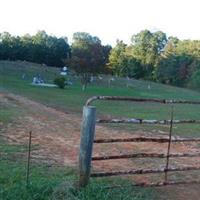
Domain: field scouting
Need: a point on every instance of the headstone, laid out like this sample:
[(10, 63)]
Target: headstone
[(64, 68), (100, 77), (23, 76), (127, 81), (91, 79), (112, 79), (69, 83), (35, 80), (63, 73)]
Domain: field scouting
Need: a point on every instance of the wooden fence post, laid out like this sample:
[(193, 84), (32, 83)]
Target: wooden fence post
[(86, 144)]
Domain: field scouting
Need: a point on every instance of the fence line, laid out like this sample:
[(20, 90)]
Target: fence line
[(87, 140), (146, 121), (118, 98), (146, 155), (146, 139), (144, 171), (158, 184)]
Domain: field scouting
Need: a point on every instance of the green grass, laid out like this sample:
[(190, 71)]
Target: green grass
[(97, 190), (7, 113), (56, 183), (73, 98), (51, 182), (59, 183)]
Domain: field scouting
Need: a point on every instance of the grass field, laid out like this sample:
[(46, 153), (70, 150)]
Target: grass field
[(51, 183), (72, 98)]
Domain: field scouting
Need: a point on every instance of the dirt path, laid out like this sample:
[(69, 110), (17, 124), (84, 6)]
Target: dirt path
[(56, 138)]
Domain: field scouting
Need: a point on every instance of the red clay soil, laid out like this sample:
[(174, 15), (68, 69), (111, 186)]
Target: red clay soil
[(56, 137)]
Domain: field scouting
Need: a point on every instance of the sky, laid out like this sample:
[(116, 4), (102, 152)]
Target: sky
[(108, 19)]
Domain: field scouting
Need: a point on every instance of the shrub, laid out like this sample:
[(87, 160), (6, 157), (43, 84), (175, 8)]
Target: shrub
[(60, 81), (195, 80)]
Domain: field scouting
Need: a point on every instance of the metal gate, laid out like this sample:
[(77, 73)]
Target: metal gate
[(87, 140)]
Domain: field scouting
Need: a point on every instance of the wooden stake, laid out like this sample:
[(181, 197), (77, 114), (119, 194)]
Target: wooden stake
[(86, 144)]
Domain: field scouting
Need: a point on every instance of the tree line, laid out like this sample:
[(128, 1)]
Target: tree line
[(154, 56), (39, 48), (149, 56)]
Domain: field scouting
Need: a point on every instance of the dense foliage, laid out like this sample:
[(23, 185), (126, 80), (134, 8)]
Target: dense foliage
[(39, 48), (150, 56), (89, 56), (60, 81), (153, 56)]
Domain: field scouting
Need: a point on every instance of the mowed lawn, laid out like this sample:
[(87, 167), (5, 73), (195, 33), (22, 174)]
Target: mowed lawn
[(72, 98)]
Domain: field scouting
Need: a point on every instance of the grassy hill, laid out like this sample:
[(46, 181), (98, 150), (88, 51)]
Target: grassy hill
[(46, 182), (72, 98)]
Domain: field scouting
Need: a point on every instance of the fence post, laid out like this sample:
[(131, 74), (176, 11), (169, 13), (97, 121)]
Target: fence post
[(86, 144), (28, 159)]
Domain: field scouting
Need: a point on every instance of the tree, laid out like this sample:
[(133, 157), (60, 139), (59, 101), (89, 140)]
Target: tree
[(39, 48), (117, 58), (106, 52), (87, 57), (146, 48), (122, 62), (49, 49), (195, 80), (179, 62), (6, 46)]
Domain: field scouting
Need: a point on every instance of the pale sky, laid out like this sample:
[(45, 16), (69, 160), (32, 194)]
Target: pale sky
[(107, 19)]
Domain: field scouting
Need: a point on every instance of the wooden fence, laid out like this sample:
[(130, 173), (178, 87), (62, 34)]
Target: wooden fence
[(87, 141)]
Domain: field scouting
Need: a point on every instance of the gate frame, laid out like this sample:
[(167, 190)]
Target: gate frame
[(87, 140)]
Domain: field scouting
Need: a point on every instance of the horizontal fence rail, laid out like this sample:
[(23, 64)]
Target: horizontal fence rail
[(85, 161), (146, 139), (144, 171), (118, 98), (146, 155), (157, 184), (146, 121)]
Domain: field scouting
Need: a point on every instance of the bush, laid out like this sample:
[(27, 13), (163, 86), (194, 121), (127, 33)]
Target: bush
[(195, 80), (60, 81)]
